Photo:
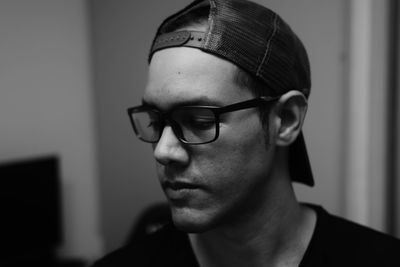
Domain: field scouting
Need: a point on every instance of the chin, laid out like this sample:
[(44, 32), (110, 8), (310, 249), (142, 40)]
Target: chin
[(192, 221)]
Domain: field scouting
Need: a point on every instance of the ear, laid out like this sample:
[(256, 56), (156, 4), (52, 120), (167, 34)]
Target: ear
[(292, 108)]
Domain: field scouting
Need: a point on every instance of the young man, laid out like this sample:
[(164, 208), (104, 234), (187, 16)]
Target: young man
[(224, 106)]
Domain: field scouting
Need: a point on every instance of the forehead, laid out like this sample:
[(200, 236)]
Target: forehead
[(185, 75)]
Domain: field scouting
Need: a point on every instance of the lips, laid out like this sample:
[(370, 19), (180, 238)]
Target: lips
[(179, 193), (177, 185)]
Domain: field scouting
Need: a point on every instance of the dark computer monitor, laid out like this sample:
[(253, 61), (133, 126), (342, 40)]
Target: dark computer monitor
[(30, 206)]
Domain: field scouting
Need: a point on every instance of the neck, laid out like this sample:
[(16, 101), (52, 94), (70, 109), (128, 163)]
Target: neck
[(278, 233)]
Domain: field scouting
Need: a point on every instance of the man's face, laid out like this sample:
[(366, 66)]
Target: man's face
[(218, 183)]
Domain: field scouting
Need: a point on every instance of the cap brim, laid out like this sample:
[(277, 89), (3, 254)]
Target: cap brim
[(299, 163)]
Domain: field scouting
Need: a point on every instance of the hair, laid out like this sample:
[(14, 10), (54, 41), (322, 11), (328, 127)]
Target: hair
[(198, 18), (257, 88)]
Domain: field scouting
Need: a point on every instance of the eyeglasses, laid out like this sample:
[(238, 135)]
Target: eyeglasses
[(192, 125)]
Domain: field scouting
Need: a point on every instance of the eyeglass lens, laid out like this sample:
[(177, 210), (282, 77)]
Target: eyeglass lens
[(147, 125), (192, 125)]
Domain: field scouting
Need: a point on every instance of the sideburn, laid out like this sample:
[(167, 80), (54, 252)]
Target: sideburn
[(264, 118)]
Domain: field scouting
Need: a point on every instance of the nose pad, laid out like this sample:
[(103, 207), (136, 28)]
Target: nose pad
[(169, 149)]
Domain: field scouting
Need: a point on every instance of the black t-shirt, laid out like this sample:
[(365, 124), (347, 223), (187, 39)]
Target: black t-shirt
[(335, 242)]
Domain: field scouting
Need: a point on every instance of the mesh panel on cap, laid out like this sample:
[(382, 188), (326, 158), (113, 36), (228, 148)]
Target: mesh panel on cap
[(231, 19), (257, 40)]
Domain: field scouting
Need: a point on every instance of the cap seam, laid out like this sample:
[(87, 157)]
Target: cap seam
[(267, 53), (213, 6)]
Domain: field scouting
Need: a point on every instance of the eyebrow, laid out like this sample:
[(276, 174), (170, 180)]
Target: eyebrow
[(198, 101)]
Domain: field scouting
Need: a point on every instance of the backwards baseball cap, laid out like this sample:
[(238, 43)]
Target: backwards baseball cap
[(257, 40)]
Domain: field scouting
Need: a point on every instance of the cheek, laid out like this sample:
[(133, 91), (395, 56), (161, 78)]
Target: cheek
[(236, 160), (233, 174)]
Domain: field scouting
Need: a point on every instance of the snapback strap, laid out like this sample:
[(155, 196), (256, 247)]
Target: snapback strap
[(175, 39)]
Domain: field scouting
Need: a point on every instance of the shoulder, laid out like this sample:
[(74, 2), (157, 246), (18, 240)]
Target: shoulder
[(344, 242), (366, 238), (139, 253), (165, 247)]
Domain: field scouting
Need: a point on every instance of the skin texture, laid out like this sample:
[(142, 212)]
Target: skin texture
[(236, 190), (227, 172)]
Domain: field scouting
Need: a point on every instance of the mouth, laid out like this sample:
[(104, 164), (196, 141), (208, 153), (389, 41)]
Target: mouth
[(179, 192), (177, 185)]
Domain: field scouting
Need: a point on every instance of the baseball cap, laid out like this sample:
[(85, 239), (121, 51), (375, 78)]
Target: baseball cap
[(257, 40)]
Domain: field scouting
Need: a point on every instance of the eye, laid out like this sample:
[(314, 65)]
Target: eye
[(199, 122), (155, 124), (194, 119), (152, 120), (152, 123)]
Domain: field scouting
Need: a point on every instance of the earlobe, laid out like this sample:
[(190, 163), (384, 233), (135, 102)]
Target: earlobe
[(291, 112)]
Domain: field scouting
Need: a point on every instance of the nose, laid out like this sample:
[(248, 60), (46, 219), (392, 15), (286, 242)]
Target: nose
[(169, 149)]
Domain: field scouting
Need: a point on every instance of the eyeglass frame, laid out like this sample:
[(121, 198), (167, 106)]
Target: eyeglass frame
[(217, 111)]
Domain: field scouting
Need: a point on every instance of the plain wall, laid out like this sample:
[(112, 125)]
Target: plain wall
[(123, 31), (46, 106)]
